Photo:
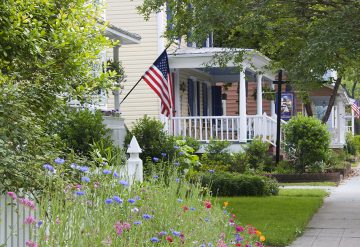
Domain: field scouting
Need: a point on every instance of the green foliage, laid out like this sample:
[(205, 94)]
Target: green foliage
[(350, 146), (306, 143), (152, 138), (216, 156), (240, 163), (233, 184), (357, 143), (284, 167), (112, 155), (336, 159), (80, 128), (257, 153)]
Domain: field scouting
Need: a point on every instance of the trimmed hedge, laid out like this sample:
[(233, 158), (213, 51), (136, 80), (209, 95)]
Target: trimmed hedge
[(235, 184)]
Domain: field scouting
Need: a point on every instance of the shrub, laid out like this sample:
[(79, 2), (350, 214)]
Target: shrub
[(306, 142), (257, 154), (240, 163), (234, 184), (350, 146), (80, 128), (357, 143), (216, 156)]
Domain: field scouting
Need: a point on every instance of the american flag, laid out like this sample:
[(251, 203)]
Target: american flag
[(159, 79), (355, 108)]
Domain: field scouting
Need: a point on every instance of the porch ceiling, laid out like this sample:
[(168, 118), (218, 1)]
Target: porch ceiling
[(201, 58)]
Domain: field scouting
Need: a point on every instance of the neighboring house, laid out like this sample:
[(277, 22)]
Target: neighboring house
[(201, 110)]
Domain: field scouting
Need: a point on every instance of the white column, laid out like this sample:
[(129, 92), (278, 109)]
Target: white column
[(160, 30), (177, 92), (242, 107), (352, 122), (209, 99), (341, 121), (259, 100), (116, 92), (272, 102)]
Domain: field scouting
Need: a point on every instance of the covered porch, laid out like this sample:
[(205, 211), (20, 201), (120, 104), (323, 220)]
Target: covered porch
[(224, 103)]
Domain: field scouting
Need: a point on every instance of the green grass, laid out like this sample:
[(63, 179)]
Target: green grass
[(280, 218), (310, 184)]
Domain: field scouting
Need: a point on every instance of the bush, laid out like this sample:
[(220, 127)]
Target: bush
[(350, 144), (356, 141), (257, 154), (234, 184), (216, 156), (152, 138), (307, 142), (80, 128)]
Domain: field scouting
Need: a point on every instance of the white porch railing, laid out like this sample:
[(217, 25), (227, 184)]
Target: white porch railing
[(205, 128)]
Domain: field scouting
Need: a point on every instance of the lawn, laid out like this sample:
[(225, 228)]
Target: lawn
[(310, 184), (280, 218)]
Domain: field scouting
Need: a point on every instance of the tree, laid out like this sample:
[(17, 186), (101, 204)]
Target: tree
[(305, 37)]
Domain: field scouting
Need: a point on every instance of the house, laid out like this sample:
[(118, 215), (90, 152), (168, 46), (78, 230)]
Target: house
[(201, 110)]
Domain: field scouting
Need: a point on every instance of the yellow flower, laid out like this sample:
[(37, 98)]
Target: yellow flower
[(226, 204), (262, 238), (258, 233)]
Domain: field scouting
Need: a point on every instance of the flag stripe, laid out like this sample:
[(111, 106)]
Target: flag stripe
[(155, 88), (156, 79)]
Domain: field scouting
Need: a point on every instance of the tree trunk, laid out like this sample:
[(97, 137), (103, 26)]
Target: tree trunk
[(331, 100), (308, 109)]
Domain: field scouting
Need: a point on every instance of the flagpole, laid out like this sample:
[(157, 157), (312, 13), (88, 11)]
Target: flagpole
[(131, 90)]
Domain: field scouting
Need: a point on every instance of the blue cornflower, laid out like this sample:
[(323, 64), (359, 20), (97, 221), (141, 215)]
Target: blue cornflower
[(156, 176), (74, 166), (80, 193), (116, 175), (192, 209), (179, 200), (147, 216), (155, 159), (176, 147), (162, 233), (106, 172), (210, 244), (163, 154), (175, 233), (109, 201), (177, 180), (211, 171), (176, 163), (85, 179), (181, 153), (238, 238), (84, 169), (48, 167), (117, 199), (154, 240), (39, 223), (137, 198), (59, 161), (202, 245), (123, 182), (206, 219), (137, 223), (131, 200)]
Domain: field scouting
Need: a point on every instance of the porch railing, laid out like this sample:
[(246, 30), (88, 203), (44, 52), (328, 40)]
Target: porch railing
[(205, 128)]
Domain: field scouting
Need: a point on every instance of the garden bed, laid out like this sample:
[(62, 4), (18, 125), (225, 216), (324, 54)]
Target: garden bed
[(307, 177)]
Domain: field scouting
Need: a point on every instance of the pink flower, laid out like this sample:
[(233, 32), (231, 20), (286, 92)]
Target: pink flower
[(30, 220), (120, 227), (30, 243), (12, 195), (207, 204), (126, 225), (27, 202), (221, 243), (57, 221), (239, 229)]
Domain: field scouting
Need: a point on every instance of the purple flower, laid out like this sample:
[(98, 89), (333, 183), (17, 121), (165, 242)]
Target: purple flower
[(39, 223), (175, 233), (176, 163), (49, 167), (123, 182), (59, 161), (74, 166), (131, 201), (85, 179), (179, 200), (116, 175), (106, 172), (137, 223), (163, 154), (211, 171), (192, 208), (176, 147), (155, 176), (162, 233), (181, 153), (117, 199), (137, 198), (155, 159), (147, 216), (80, 193), (109, 201), (177, 180), (154, 240), (84, 169)]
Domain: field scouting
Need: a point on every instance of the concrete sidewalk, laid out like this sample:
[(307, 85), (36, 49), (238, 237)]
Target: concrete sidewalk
[(337, 224)]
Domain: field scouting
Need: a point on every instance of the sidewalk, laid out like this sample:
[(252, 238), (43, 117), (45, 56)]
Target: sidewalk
[(337, 224)]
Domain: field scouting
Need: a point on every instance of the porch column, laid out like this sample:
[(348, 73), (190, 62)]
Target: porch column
[(242, 107), (352, 122), (259, 100), (177, 92), (272, 102), (116, 92)]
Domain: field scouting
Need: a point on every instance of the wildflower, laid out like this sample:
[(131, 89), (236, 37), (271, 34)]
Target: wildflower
[(74, 166), (30, 243), (179, 200), (39, 223), (211, 171), (131, 201), (202, 245), (137, 223), (118, 228), (262, 238), (147, 216), (239, 229), (12, 195), (163, 154), (154, 240), (126, 225), (27, 203), (135, 210), (117, 199), (107, 241), (177, 180), (155, 176), (258, 233), (162, 233), (169, 239), (49, 168), (96, 184), (106, 172), (176, 163), (137, 198), (258, 244), (176, 147), (238, 238), (116, 175), (175, 233), (80, 193), (78, 186), (123, 182), (59, 161), (155, 159), (185, 208), (192, 208), (181, 153), (57, 221), (84, 169), (207, 204), (85, 179), (29, 220), (207, 219), (109, 201), (226, 204)]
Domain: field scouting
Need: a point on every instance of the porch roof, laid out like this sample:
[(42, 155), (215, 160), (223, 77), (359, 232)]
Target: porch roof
[(125, 37), (200, 58)]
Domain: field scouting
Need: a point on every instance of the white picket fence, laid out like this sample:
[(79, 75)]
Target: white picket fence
[(13, 231)]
